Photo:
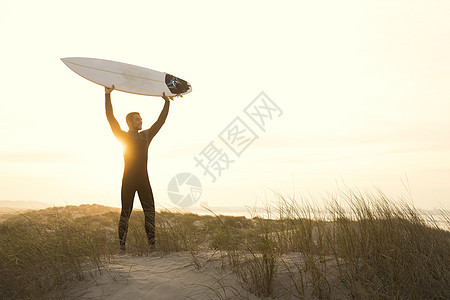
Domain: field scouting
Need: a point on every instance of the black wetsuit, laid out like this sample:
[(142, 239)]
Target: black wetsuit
[(135, 176)]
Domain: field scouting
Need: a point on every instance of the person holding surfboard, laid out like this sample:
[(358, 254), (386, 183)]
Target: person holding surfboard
[(135, 175)]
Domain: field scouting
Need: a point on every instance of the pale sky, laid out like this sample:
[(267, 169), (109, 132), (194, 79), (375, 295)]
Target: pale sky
[(363, 86)]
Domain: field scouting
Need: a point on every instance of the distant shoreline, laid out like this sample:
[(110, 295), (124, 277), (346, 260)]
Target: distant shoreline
[(17, 207)]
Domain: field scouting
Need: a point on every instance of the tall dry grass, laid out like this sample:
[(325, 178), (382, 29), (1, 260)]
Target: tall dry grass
[(38, 254), (356, 246), (389, 249)]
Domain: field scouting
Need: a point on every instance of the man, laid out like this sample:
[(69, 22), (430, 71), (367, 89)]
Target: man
[(135, 175)]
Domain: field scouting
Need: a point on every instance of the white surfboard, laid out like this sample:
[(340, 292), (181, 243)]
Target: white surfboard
[(127, 78)]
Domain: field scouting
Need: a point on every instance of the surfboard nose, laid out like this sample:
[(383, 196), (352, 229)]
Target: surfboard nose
[(63, 59)]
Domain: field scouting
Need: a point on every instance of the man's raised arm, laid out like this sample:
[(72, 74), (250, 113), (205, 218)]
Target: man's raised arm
[(115, 127), (152, 131)]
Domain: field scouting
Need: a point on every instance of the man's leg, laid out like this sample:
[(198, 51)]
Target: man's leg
[(127, 196), (148, 205)]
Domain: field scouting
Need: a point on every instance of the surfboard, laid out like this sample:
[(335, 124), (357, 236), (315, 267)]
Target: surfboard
[(128, 78)]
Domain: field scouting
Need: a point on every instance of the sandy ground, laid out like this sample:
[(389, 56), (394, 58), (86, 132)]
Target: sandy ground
[(160, 276), (207, 276)]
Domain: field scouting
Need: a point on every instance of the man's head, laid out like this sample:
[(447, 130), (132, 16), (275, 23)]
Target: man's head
[(134, 121)]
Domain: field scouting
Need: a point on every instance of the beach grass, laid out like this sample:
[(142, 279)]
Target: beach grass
[(40, 252), (355, 246)]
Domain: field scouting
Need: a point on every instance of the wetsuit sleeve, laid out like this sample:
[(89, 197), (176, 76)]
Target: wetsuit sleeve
[(152, 131), (115, 127)]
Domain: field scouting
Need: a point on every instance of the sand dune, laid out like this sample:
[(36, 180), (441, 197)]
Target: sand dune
[(179, 276), (168, 276)]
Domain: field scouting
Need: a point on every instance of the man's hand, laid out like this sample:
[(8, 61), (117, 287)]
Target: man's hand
[(165, 97), (109, 90)]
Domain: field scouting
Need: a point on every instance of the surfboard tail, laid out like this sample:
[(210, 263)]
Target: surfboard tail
[(177, 85)]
